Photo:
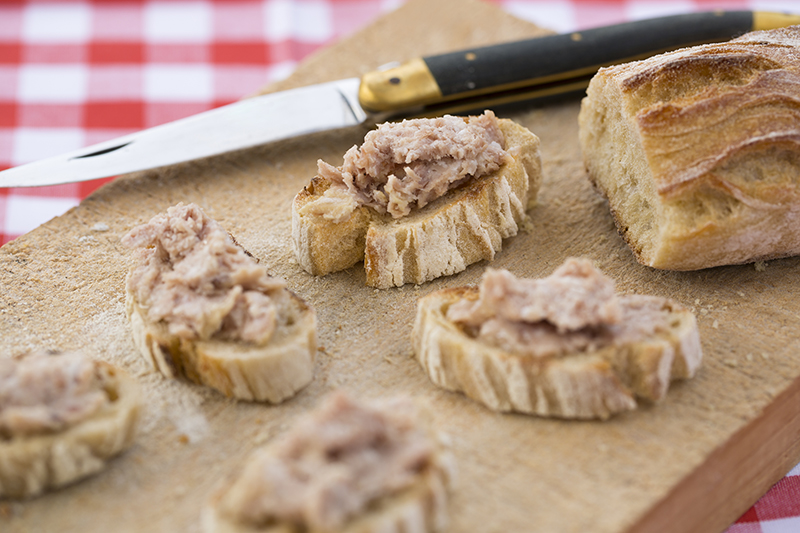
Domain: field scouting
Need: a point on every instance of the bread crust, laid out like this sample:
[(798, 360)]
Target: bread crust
[(698, 151), (462, 227), (271, 373), (30, 465), (577, 385)]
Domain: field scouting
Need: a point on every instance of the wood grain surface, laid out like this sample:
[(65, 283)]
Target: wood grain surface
[(691, 463)]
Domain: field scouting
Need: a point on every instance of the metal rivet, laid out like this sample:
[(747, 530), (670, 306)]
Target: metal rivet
[(394, 81), (470, 56), (576, 36)]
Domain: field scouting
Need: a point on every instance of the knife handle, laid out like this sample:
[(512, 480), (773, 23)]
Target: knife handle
[(550, 65)]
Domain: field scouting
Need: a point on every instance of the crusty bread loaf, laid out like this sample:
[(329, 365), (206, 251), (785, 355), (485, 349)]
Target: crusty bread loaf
[(698, 151), (419, 507), (32, 464), (272, 372), (593, 383), (462, 227)]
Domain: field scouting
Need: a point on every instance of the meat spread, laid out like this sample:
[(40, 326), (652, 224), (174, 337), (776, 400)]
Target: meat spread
[(333, 465), (574, 309), (406, 165), (190, 274), (44, 393)]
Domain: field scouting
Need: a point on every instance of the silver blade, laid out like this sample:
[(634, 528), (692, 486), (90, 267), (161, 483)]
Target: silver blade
[(243, 124)]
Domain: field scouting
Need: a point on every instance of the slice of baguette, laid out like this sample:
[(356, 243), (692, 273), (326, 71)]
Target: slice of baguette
[(30, 465), (418, 508), (464, 226), (272, 372), (580, 385)]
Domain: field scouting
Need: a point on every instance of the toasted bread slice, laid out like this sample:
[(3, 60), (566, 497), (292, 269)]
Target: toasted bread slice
[(202, 308), (272, 372), (32, 464), (466, 225), (419, 506), (594, 383)]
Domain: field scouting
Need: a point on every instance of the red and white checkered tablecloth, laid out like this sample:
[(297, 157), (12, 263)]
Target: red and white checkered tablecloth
[(74, 73)]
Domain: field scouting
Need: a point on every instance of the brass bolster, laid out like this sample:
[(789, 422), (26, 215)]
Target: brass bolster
[(409, 85), (763, 20)]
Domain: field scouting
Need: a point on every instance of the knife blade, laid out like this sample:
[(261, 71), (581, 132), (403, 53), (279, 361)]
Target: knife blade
[(455, 82)]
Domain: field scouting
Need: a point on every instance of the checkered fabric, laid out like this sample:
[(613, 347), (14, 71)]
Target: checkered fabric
[(74, 73)]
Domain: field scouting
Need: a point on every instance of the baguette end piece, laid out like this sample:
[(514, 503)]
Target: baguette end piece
[(698, 151)]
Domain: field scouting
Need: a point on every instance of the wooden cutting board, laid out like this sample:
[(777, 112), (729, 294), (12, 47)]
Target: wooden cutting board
[(692, 463)]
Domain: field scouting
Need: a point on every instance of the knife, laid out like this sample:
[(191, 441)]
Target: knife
[(456, 82)]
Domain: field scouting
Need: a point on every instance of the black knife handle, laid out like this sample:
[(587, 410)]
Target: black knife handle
[(565, 56), (549, 65)]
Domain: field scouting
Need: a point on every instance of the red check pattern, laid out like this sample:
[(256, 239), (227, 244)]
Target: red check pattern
[(73, 73)]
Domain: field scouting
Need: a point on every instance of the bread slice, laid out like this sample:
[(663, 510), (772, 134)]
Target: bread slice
[(418, 507), (203, 309), (32, 464), (582, 384), (271, 373), (698, 151), (466, 225)]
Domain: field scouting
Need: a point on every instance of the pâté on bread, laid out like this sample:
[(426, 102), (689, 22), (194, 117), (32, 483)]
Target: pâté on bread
[(420, 199), (563, 346), (63, 417), (348, 466), (203, 309), (698, 151)]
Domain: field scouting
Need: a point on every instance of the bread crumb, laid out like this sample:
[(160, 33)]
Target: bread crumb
[(100, 227), (765, 356), (704, 311), (760, 266), (715, 325), (183, 438), (697, 301), (740, 293), (749, 357), (730, 362), (10, 510)]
